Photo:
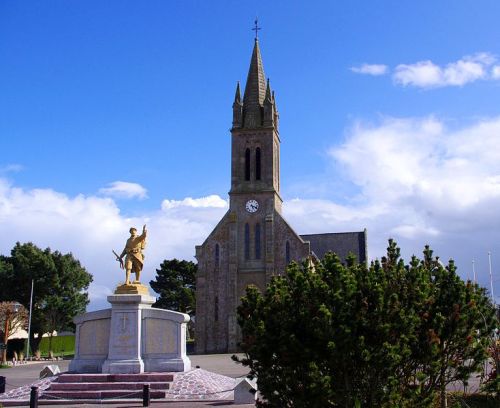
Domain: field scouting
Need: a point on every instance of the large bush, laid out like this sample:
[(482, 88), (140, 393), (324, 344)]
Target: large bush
[(391, 334)]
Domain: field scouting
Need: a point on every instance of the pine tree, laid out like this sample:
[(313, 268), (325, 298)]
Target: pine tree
[(175, 282), (391, 334)]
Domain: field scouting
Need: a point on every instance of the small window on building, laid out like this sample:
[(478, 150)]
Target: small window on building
[(247, 164), (257, 241), (257, 163), (287, 252), (216, 309), (217, 254), (247, 241)]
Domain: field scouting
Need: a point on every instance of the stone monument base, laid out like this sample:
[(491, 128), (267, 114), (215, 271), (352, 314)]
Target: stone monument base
[(131, 337)]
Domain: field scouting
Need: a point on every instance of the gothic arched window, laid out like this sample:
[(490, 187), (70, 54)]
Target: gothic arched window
[(217, 254), (216, 309), (257, 241), (257, 163), (247, 164), (287, 252), (247, 241)]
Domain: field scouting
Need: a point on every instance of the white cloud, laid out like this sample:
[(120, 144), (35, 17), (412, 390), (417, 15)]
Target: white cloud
[(124, 189), (495, 72), (370, 69), (90, 227), (11, 168), (211, 201), (426, 74), (419, 162), (419, 182)]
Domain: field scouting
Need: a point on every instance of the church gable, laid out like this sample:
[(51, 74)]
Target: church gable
[(288, 246)]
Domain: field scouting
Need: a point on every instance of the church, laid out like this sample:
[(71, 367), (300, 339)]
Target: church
[(253, 242)]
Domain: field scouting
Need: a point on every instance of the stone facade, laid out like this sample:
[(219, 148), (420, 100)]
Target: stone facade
[(252, 242)]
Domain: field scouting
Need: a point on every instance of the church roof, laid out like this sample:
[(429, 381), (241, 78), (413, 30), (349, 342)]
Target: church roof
[(255, 88), (341, 243)]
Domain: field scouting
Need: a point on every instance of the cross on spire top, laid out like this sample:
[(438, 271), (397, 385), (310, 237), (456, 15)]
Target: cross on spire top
[(256, 28)]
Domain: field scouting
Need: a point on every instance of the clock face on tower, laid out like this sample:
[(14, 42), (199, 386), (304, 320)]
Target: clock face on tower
[(251, 206)]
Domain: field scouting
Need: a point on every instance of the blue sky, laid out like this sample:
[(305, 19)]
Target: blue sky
[(389, 113)]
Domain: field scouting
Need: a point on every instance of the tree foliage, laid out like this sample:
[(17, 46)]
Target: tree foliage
[(391, 334), (59, 287), (175, 282), (492, 378)]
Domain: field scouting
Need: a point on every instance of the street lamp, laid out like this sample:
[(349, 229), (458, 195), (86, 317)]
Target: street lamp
[(8, 314)]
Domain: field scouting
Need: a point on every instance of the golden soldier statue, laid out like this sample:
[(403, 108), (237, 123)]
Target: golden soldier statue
[(134, 258)]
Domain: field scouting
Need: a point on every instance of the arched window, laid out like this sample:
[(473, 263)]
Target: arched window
[(287, 252), (247, 164), (257, 241), (216, 309), (257, 163), (247, 241), (217, 254)]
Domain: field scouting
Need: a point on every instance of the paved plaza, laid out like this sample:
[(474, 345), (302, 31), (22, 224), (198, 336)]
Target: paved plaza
[(210, 383)]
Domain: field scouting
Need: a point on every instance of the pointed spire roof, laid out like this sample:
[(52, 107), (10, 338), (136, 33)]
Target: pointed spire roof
[(255, 88), (268, 97), (237, 95)]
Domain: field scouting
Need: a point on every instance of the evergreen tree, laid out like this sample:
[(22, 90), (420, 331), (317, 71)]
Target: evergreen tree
[(175, 282), (345, 334), (59, 290)]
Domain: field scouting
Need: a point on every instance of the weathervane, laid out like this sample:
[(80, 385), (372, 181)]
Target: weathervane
[(256, 28)]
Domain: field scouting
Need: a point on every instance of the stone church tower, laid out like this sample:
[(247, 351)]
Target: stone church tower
[(252, 242)]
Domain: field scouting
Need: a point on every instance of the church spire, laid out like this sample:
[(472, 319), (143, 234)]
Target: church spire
[(237, 95), (268, 92), (237, 108), (255, 91), (255, 88)]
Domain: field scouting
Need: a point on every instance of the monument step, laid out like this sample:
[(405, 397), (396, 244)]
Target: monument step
[(121, 394), (144, 378), (101, 386)]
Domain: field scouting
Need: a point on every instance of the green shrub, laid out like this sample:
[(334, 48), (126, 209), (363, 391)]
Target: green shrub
[(61, 345), (386, 335)]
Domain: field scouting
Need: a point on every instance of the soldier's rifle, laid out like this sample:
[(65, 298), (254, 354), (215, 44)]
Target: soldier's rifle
[(118, 259)]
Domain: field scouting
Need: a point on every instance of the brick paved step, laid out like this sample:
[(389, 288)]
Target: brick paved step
[(54, 395), (98, 386), (86, 378)]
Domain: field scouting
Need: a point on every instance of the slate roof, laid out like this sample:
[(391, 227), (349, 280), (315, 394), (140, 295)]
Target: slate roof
[(340, 243)]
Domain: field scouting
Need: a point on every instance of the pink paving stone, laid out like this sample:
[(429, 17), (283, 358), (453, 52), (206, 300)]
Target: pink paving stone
[(24, 391), (196, 384), (202, 385)]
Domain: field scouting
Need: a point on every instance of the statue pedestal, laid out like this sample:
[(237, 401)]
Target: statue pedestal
[(124, 355), (131, 337)]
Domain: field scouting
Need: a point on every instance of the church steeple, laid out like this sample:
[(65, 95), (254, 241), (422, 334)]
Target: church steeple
[(255, 138), (255, 91)]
